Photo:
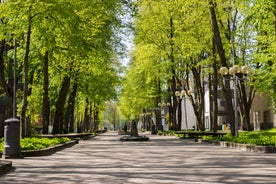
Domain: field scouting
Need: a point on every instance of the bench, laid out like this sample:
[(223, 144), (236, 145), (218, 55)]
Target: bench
[(196, 135)]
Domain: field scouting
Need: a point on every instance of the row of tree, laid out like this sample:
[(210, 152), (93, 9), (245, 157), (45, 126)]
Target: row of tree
[(181, 45), (66, 59)]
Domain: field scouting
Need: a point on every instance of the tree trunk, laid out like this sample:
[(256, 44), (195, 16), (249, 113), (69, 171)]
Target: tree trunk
[(215, 100), (69, 118), (96, 117), (46, 100), (211, 102), (26, 80), (214, 90), (221, 53), (202, 106), (7, 86), (179, 113), (173, 79), (247, 96), (91, 126), (198, 100), (86, 116), (158, 110), (58, 117)]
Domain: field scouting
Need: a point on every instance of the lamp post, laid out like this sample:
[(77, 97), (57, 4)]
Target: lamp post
[(180, 94), (234, 71)]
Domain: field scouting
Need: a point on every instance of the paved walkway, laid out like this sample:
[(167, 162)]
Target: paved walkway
[(164, 159)]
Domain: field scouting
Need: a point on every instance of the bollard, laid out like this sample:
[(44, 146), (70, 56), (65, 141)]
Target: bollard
[(12, 147)]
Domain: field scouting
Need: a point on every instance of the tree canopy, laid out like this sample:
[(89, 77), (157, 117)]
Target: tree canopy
[(182, 45), (67, 57), (73, 44)]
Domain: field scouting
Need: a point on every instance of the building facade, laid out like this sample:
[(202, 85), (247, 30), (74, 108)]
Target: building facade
[(262, 114)]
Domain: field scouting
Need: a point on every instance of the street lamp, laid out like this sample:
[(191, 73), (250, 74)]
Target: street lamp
[(234, 71)]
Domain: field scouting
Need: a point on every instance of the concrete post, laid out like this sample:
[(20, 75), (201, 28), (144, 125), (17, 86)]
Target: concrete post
[(12, 147)]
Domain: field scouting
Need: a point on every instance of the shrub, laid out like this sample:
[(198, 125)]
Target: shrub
[(36, 143), (167, 132), (1, 144), (264, 137)]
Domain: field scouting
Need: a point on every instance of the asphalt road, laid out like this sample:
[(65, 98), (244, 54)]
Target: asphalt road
[(164, 159)]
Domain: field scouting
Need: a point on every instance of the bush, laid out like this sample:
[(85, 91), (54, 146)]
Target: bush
[(263, 138), (167, 132), (36, 143), (1, 144)]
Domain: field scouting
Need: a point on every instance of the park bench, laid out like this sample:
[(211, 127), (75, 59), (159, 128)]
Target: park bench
[(196, 135)]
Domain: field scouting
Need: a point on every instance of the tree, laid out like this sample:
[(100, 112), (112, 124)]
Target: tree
[(113, 114), (217, 40), (155, 37), (260, 15), (186, 42), (240, 41), (165, 36), (95, 51), (78, 35)]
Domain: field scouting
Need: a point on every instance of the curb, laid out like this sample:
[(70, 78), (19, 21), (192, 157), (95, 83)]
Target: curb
[(49, 150), (243, 147), (46, 151), (6, 166)]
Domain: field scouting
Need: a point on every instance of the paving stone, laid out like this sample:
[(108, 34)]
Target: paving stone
[(162, 159)]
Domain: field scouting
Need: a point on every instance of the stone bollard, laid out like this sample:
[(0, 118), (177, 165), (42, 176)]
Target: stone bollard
[(12, 147)]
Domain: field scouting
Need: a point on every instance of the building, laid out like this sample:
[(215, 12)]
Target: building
[(262, 115)]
